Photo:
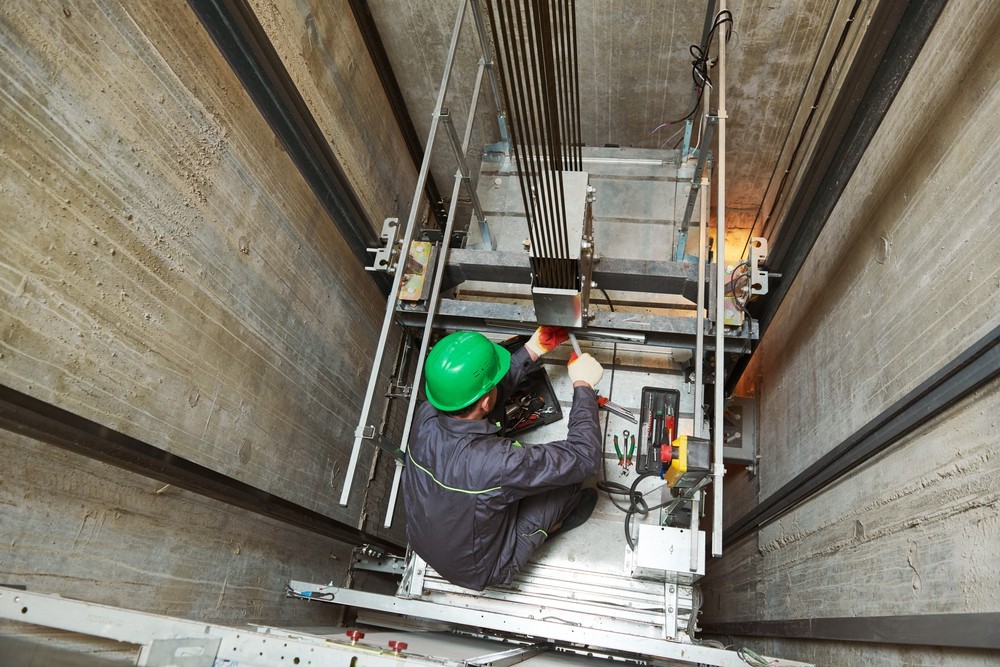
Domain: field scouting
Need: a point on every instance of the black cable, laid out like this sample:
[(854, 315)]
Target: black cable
[(691, 113), (604, 446), (701, 62), (744, 276), (637, 501)]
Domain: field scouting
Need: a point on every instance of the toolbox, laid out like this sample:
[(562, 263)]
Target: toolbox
[(533, 402), (657, 426)]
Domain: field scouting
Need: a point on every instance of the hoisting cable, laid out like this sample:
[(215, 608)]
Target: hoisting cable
[(539, 72)]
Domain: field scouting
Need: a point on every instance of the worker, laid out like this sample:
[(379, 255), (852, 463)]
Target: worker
[(479, 504)]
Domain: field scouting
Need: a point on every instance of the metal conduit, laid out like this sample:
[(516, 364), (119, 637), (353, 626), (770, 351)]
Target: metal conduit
[(539, 73)]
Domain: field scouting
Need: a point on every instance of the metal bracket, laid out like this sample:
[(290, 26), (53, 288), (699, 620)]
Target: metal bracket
[(188, 652), (758, 255), (508, 658), (458, 146), (386, 256)]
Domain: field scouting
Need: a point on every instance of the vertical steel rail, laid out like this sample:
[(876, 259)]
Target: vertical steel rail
[(719, 468), (706, 143), (699, 362), (695, 520), (432, 302), (699, 341), (359, 434), (490, 66), (477, 208)]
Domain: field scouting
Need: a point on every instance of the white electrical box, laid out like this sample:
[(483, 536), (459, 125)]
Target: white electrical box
[(664, 554)]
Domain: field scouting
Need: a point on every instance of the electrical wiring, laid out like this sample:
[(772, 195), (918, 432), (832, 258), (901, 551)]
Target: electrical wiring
[(744, 277), (637, 502), (604, 437), (702, 62), (671, 137), (700, 65), (752, 658)]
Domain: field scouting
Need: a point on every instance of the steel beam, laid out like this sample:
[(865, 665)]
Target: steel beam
[(552, 630), (971, 631), (610, 273), (892, 41), (28, 416), (166, 640), (970, 370), (244, 43), (617, 327), (380, 59)]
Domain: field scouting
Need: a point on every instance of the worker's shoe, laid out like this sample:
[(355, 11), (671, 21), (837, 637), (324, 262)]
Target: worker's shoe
[(579, 514)]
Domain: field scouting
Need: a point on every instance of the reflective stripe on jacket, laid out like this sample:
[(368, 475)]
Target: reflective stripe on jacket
[(463, 480)]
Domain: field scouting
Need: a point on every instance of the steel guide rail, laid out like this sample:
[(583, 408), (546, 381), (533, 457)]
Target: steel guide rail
[(429, 323), (364, 431), (719, 468)]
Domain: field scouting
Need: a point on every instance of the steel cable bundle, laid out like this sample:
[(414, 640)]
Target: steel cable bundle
[(536, 44)]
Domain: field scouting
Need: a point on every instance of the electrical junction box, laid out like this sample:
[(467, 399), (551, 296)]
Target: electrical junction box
[(663, 553)]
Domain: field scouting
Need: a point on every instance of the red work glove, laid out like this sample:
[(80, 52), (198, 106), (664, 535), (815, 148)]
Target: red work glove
[(545, 339)]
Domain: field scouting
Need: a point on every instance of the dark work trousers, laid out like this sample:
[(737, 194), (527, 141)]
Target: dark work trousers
[(536, 515)]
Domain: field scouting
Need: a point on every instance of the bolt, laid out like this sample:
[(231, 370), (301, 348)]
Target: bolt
[(397, 646), (355, 636)]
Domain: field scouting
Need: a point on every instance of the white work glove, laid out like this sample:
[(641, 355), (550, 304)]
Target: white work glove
[(585, 369), (545, 339)]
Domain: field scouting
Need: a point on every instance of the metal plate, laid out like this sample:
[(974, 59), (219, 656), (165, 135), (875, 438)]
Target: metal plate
[(182, 653)]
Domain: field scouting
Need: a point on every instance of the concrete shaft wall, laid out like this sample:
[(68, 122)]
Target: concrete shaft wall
[(903, 278), (166, 272)]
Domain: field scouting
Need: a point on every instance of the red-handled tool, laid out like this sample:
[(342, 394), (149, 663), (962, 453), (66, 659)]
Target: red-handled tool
[(614, 408)]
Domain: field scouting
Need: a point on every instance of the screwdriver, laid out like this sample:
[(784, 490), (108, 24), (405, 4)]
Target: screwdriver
[(576, 344)]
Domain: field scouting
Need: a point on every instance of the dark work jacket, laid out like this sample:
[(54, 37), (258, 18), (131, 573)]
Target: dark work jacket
[(463, 480)]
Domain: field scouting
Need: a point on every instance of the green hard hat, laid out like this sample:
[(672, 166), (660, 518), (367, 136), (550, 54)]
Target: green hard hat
[(462, 368)]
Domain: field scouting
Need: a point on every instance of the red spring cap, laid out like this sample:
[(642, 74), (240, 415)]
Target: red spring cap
[(355, 634), (397, 646), (666, 453)]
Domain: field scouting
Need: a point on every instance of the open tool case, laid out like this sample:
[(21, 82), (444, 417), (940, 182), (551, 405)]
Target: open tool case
[(658, 416), (533, 402)]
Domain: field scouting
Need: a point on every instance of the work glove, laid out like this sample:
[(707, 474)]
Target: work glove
[(585, 368), (545, 339)]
